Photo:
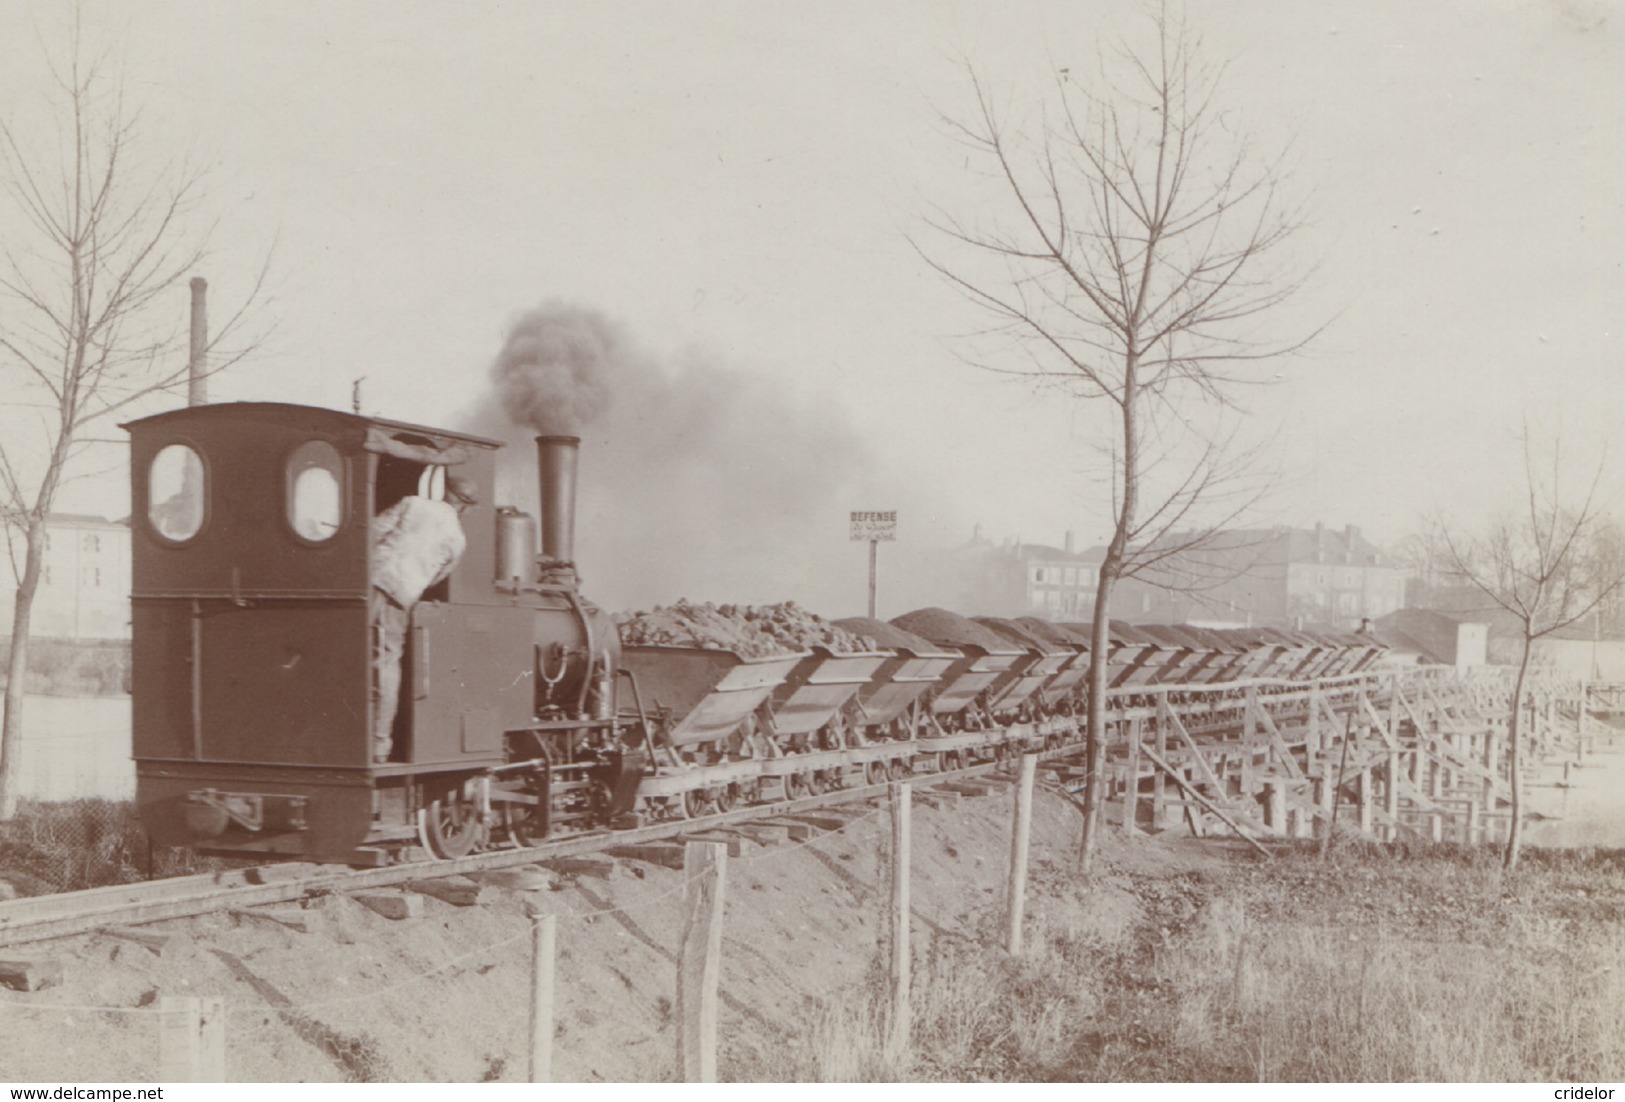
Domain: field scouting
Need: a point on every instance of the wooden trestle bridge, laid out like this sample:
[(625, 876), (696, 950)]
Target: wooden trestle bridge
[(1421, 752)]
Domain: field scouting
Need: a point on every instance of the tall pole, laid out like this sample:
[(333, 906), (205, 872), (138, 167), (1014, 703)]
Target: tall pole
[(197, 390), (874, 549)]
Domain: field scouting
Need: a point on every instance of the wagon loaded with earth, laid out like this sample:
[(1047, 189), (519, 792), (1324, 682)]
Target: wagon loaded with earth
[(716, 684)]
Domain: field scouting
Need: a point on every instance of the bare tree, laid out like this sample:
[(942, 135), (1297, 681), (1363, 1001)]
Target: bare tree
[(1548, 565), (92, 306), (1138, 256)]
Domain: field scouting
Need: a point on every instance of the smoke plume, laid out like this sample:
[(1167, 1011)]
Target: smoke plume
[(697, 479), (554, 373)]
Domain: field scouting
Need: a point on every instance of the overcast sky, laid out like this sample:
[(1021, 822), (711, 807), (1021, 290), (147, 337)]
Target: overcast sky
[(732, 186)]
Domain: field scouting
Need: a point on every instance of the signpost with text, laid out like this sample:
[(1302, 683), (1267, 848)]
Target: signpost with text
[(874, 527)]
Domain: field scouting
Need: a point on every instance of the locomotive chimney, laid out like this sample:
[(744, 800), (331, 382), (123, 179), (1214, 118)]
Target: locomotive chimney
[(556, 464), (197, 388)]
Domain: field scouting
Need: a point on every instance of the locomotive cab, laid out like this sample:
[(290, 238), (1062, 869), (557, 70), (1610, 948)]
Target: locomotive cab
[(254, 669)]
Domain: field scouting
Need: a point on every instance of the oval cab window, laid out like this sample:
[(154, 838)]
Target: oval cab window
[(175, 493), (315, 498)]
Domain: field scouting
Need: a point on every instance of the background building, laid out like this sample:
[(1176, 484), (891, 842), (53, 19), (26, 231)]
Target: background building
[(1456, 639), (84, 591), (1277, 577), (983, 578)]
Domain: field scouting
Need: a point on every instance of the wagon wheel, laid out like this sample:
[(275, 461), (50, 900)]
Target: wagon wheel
[(795, 786), (691, 805), (953, 759), (727, 797), (816, 785), (451, 826), (876, 772)]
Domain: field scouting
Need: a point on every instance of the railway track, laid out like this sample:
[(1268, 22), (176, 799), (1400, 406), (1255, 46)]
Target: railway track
[(1211, 714), (41, 918)]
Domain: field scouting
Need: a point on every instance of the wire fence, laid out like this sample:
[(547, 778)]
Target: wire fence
[(64, 846)]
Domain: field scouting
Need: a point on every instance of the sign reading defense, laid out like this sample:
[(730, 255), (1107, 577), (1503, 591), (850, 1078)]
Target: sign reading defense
[(874, 526)]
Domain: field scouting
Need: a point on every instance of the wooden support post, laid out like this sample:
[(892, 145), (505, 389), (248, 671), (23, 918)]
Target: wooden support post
[(699, 961), (1249, 741), (1365, 800), (1390, 795), (1193, 795), (544, 934), (901, 1024), (1581, 726), (1436, 790), (1474, 823), (1275, 804), (1311, 732), (1131, 789), (1393, 709), (1020, 834), (1159, 795), (1326, 797)]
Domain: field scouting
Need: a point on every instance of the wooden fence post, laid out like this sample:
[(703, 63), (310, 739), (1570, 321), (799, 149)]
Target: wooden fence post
[(1020, 829), (900, 801), (212, 1038), (544, 952), (180, 1039), (699, 960)]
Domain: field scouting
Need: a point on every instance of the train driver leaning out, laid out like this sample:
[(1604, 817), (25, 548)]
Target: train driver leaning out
[(416, 544)]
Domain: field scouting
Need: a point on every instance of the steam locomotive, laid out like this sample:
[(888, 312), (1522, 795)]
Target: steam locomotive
[(520, 714)]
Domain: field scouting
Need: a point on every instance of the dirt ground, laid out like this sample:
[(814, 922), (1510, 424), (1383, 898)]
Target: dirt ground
[(444, 997)]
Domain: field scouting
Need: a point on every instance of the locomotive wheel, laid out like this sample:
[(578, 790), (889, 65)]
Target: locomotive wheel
[(527, 825), (451, 826)]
